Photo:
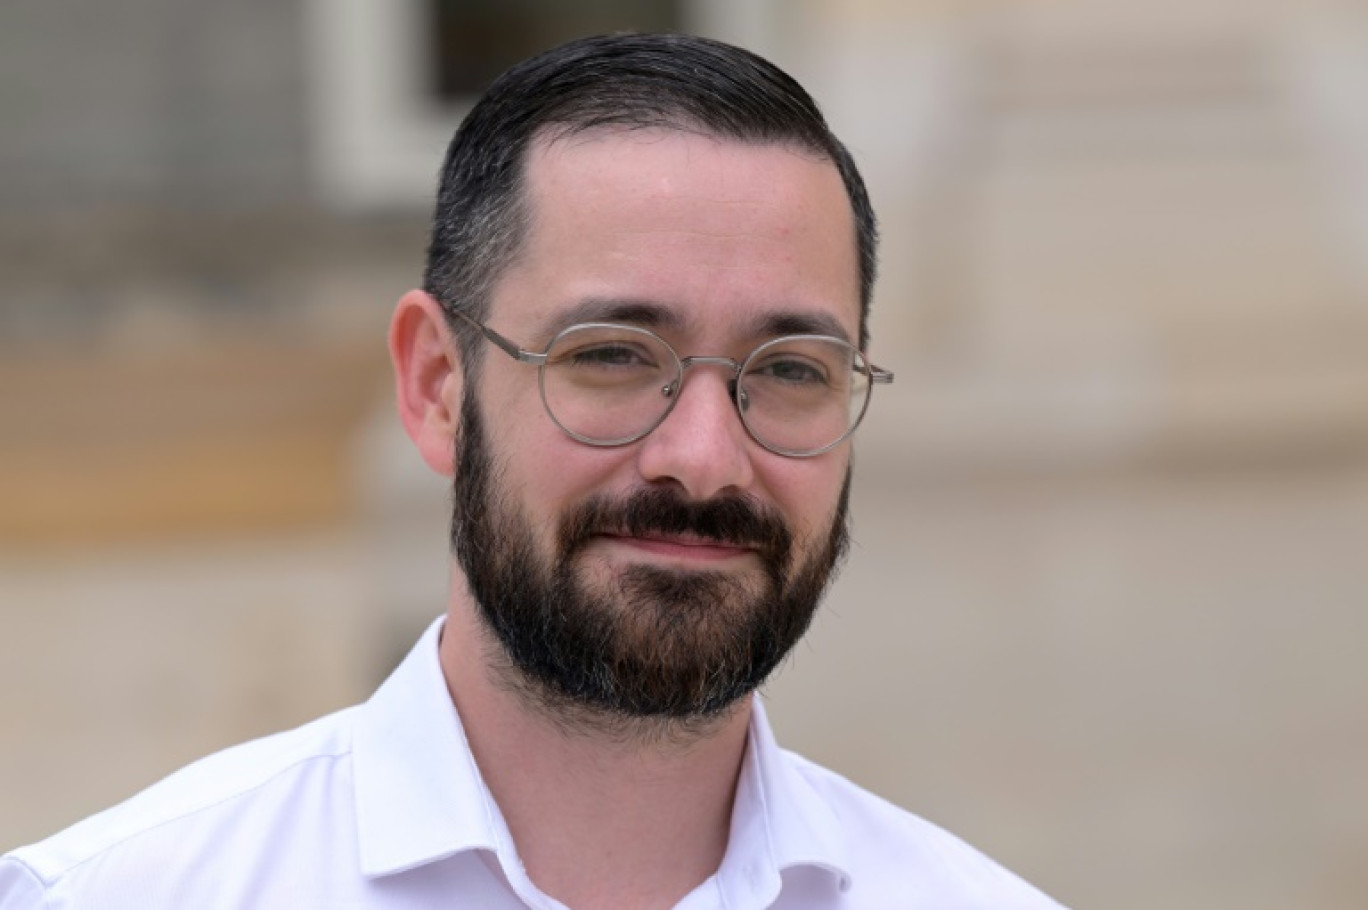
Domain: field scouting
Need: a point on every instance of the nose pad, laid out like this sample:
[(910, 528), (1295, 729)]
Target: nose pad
[(739, 396)]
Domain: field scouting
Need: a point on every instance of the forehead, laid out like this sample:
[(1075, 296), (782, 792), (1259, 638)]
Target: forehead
[(710, 233)]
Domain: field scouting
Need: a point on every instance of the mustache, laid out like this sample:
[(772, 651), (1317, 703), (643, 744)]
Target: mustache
[(739, 521)]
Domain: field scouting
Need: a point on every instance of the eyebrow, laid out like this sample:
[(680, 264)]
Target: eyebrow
[(646, 314), (790, 322), (611, 309)]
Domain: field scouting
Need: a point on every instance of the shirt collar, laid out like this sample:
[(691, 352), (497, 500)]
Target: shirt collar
[(779, 822), (419, 794)]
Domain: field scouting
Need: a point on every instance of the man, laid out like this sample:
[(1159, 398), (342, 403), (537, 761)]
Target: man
[(638, 353)]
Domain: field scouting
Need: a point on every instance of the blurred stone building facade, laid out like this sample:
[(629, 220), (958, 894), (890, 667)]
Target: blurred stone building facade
[(1104, 612)]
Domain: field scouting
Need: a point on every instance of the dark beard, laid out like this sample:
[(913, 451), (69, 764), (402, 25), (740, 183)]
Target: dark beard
[(669, 644)]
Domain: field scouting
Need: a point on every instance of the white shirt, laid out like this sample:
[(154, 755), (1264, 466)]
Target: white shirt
[(381, 806)]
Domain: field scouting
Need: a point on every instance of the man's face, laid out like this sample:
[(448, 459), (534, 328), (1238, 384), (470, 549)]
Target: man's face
[(669, 576)]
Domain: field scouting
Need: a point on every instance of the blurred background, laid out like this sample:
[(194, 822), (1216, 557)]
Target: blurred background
[(1105, 612)]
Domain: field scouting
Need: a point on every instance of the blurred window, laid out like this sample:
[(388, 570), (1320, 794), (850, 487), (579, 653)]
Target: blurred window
[(475, 40), (390, 79)]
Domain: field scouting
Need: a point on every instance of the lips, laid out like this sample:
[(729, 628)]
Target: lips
[(683, 547)]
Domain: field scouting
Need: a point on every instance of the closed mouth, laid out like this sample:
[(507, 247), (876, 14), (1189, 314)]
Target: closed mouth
[(684, 546)]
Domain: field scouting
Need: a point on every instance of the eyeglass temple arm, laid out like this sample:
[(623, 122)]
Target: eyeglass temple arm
[(880, 375), (502, 343)]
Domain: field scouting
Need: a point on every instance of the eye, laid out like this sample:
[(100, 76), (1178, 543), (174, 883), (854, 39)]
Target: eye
[(608, 355), (791, 369)]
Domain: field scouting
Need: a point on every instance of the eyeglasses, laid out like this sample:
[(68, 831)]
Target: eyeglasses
[(610, 385)]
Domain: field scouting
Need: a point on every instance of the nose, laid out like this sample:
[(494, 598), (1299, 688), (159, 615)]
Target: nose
[(702, 445)]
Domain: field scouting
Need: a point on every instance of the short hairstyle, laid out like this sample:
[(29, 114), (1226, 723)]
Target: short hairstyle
[(679, 82)]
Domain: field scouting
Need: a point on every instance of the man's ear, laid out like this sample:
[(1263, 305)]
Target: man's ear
[(427, 378)]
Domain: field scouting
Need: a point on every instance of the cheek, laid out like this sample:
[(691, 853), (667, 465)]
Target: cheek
[(543, 468), (807, 490), (514, 418)]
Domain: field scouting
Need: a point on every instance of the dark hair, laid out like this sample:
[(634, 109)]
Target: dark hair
[(638, 81)]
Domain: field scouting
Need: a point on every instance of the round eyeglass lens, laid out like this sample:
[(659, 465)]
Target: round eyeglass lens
[(608, 385), (801, 395)]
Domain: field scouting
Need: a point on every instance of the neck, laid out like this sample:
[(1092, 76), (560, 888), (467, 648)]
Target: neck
[(605, 811)]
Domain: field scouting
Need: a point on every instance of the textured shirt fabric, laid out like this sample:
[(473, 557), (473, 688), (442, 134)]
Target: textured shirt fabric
[(382, 806)]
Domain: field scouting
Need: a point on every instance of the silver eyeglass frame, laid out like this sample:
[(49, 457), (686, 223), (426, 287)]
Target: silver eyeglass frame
[(876, 375)]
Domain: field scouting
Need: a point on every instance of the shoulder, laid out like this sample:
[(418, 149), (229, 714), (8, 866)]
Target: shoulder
[(233, 806), (894, 852)]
